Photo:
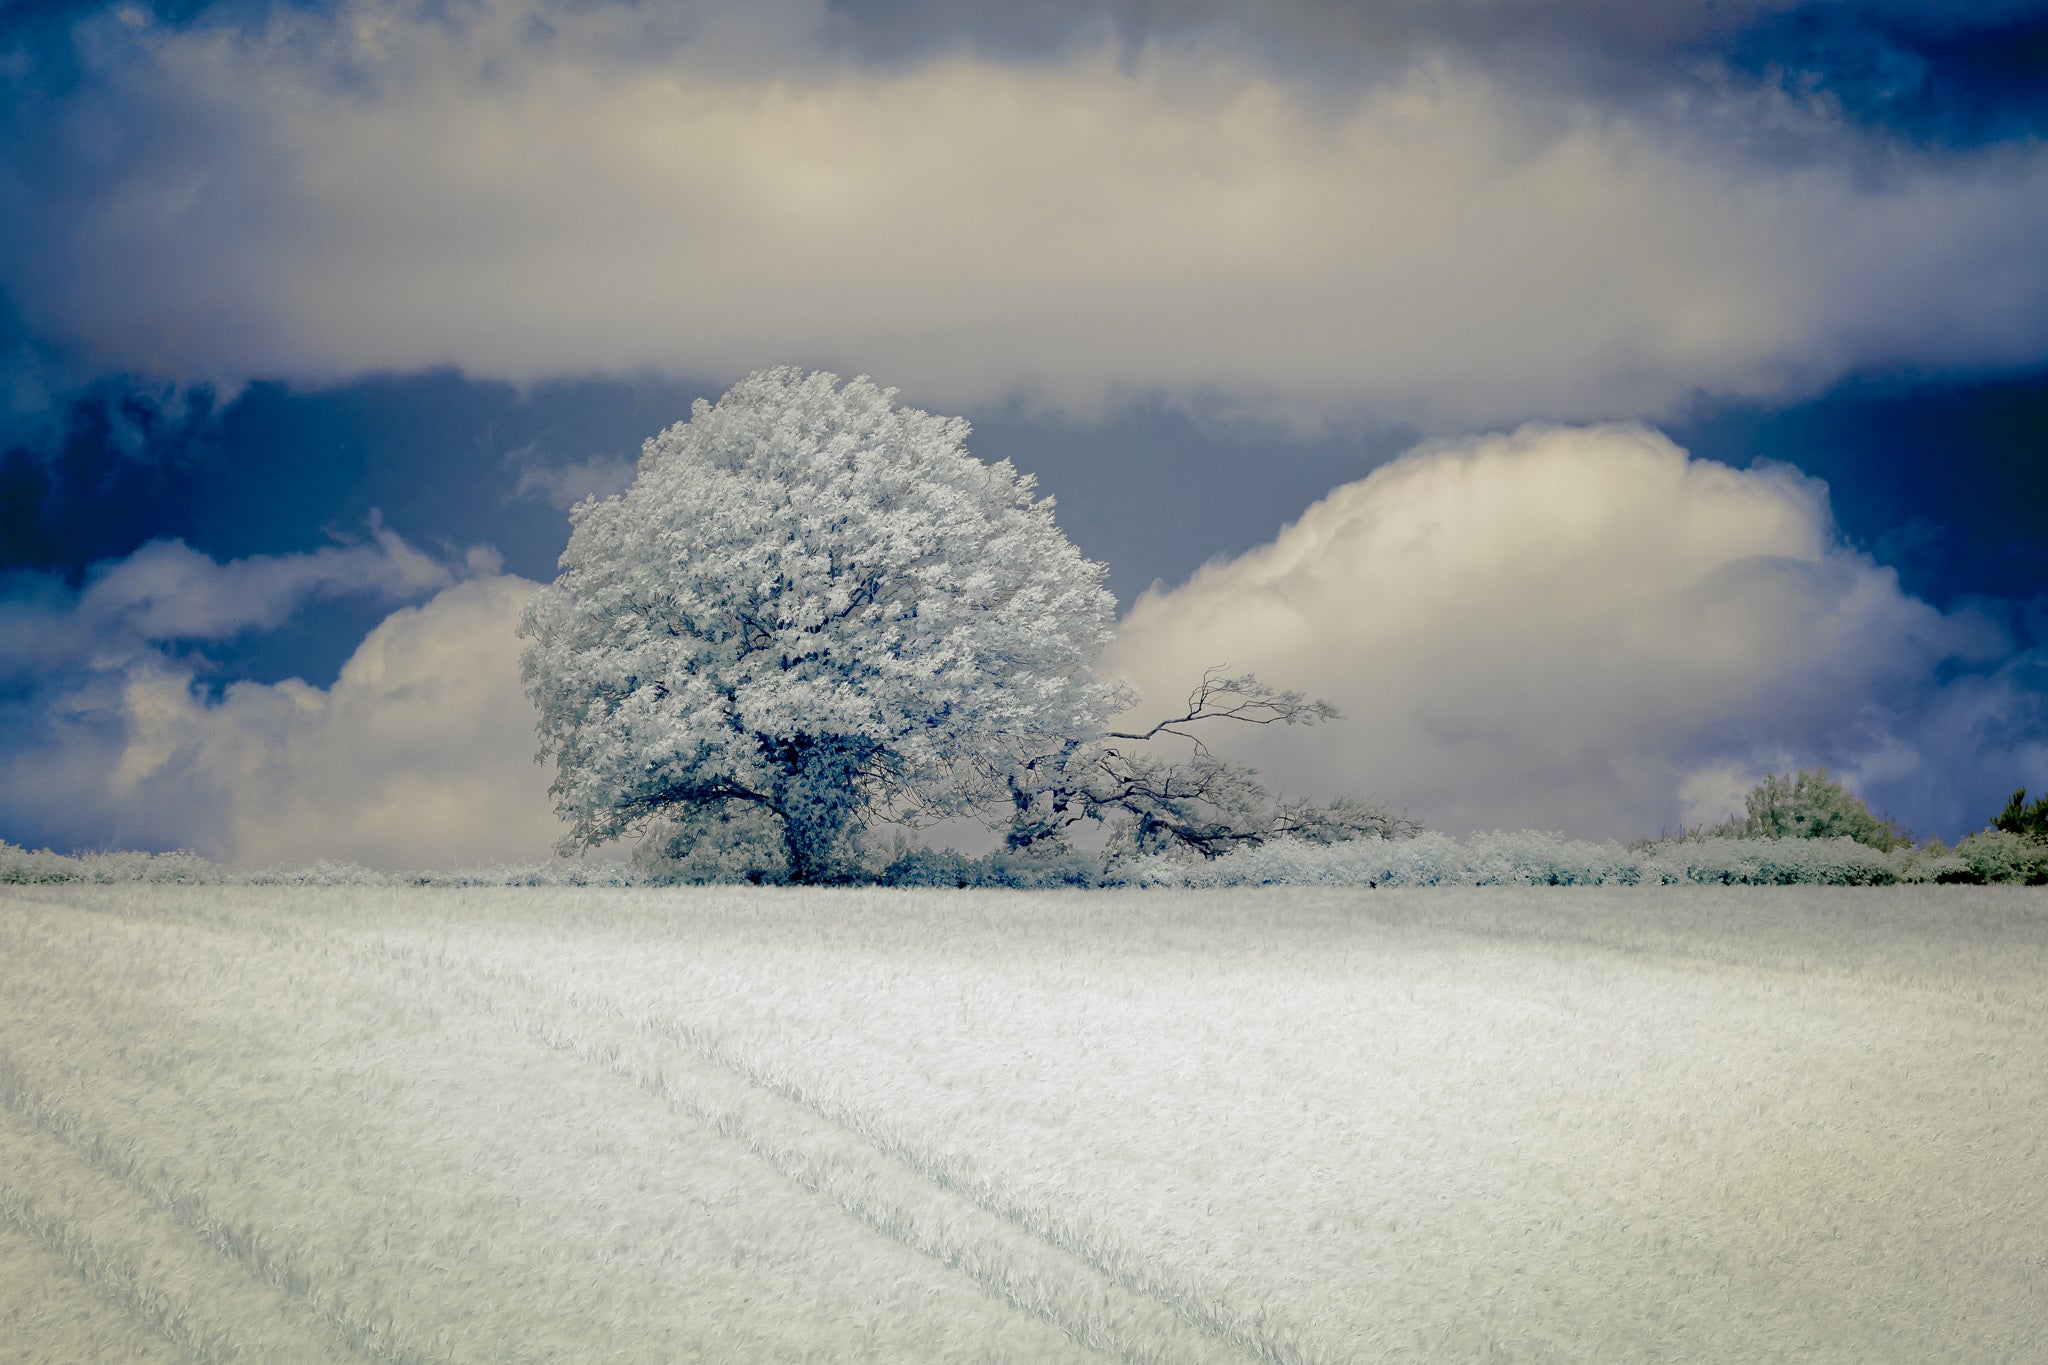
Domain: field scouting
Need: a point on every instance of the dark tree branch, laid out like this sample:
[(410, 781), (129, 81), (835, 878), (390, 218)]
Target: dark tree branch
[(1206, 803), (1244, 699)]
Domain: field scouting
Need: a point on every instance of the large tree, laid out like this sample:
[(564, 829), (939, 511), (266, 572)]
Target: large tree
[(815, 604)]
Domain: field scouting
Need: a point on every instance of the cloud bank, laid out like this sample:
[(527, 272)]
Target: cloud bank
[(530, 190), (419, 755), (1581, 629)]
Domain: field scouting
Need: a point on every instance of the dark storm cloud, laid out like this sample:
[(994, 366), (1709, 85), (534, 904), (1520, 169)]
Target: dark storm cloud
[(1953, 75), (1975, 70), (1946, 482), (527, 190), (102, 469), (122, 462), (1962, 73), (105, 470)]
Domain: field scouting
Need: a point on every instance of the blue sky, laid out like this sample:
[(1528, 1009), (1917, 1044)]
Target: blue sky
[(1603, 403)]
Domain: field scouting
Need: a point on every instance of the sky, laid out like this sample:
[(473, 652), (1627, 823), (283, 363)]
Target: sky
[(1602, 403)]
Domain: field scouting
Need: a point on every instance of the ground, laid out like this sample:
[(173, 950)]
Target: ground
[(752, 1124)]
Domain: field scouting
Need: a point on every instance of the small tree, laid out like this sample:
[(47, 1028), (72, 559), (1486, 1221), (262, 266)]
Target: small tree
[(1811, 805), (814, 604), (2027, 821)]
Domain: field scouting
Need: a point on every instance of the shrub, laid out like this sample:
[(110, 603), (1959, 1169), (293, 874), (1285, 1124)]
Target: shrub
[(20, 866), (1749, 861), (1035, 868), (1999, 855), (1530, 858)]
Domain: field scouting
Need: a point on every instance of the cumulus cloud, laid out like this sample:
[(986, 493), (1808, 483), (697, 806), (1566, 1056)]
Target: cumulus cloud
[(419, 755), (1445, 246), (1582, 629)]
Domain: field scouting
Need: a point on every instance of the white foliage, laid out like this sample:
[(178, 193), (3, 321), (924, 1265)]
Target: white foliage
[(20, 866), (816, 602), (737, 845), (1532, 858)]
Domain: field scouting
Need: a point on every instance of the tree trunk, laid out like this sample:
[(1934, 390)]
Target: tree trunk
[(817, 793)]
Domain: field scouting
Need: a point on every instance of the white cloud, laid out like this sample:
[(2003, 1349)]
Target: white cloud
[(1584, 630), (381, 190), (565, 485), (419, 755), (167, 592)]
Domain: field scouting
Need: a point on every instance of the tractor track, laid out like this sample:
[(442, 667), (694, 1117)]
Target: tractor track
[(1083, 1286)]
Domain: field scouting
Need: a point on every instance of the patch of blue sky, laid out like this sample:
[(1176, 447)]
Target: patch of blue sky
[(1959, 76)]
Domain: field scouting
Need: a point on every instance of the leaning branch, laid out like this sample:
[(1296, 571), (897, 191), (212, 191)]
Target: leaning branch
[(1244, 699)]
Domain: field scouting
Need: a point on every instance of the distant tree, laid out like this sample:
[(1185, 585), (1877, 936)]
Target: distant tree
[(814, 607), (1811, 805), (2029, 822)]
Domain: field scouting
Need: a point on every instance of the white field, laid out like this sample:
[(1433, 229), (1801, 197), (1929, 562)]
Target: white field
[(736, 1125)]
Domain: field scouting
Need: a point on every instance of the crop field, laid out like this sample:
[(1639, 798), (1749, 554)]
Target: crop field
[(737, 1125)]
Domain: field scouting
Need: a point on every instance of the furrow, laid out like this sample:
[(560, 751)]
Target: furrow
[(142, 1257), (847, 1157), (183, 1243), (1254, 1334), (1092, 1305), (51, 1314), (112, 1274), (741, 1236)]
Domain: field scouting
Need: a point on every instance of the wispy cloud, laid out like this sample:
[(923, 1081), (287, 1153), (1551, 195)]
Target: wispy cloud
[(566, 484), (167, 592)]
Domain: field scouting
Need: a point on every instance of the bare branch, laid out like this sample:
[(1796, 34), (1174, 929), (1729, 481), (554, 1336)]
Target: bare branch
[(1242, 698), (1205, 803)]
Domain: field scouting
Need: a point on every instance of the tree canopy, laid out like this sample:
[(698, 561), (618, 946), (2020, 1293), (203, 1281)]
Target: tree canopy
[(814, 604)]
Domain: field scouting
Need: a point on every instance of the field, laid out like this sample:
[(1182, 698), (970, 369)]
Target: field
[(412, 1125)]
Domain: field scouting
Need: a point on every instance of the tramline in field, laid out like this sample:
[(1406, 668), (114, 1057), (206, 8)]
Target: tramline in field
[(1282, 1125)]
